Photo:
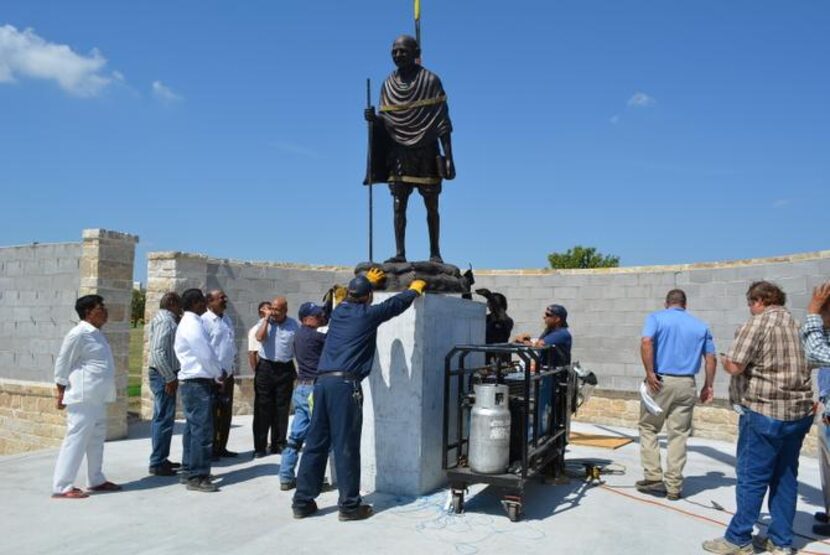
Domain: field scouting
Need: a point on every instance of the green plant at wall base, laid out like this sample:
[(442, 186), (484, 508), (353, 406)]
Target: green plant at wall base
[(582, 257), (137, 306)]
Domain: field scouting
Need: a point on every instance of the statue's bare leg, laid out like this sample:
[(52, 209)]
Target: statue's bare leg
[(434, 225), (400, 196)]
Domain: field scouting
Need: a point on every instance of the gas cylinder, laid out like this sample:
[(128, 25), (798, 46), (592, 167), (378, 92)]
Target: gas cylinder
[(489, 449)]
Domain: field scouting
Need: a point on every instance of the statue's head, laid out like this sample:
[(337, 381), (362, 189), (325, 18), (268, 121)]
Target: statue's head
[(405, 51)]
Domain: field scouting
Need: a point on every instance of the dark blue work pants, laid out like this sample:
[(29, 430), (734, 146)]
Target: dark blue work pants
[(336, 423)]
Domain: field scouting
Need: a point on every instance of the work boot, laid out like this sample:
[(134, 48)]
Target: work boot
[(162, 470), (765, 544), (361, 513), (821, 529), (674, 495), (307, 510), (651, 487), (723, 547), (201, 483), (288, 486)]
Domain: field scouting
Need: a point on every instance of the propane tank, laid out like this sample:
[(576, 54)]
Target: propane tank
[(489, 450)]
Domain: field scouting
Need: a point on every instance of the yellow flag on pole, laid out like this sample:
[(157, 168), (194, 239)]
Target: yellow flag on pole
[(417, 10)]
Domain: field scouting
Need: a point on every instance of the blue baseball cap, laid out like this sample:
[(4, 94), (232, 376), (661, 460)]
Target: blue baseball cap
[(360, 286), (310, 309), (558, 310)]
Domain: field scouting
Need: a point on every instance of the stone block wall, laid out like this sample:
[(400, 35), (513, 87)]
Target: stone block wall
[(606, 308), (246, 284), (38, 288)]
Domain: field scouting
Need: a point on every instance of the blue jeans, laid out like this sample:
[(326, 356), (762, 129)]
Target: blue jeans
[(164, 417), (767, 455), (299, 430), (336, 424), (197, 439)]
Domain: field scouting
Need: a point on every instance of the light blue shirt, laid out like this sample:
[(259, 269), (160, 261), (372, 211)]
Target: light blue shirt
[(278, 345), (680, 341)]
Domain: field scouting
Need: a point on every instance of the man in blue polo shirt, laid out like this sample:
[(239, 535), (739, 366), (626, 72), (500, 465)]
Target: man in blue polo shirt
[(673, 344)]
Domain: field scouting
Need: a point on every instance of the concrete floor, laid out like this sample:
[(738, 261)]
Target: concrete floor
[(251, 515)]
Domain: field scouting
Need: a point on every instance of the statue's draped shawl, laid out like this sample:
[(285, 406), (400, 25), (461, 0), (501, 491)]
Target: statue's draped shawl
[(414, 113)]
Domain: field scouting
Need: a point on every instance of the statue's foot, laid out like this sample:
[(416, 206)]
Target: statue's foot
[(436, 258), (396, 259)]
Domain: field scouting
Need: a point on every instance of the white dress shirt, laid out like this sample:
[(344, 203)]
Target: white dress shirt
[(192, 346), (222, 339), (85, 366), (253, 344)]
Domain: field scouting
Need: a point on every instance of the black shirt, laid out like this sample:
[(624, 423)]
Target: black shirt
[(308, 346)]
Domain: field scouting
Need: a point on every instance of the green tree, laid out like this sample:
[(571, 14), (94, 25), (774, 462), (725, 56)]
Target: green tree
[(582, 257), (137, 306)]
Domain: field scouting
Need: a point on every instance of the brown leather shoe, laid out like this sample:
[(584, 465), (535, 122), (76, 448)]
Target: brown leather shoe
[(106, 487)]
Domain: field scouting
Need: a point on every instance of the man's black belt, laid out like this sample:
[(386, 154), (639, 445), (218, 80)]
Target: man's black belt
[(206, 381), (344, 375), (305, 382)]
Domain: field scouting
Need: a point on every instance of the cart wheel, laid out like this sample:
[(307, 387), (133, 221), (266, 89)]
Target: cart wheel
[(514, 512), (458, 502)]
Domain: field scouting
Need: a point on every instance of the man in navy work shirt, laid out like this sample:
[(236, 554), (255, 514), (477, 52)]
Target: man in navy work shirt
[(673, 344), (337, 416), (308, 346), (274, 377), (555, 333)]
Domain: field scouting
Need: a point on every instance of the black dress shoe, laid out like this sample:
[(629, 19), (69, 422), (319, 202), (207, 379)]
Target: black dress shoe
[(361, 513), (162, 470), (307, 510), (174, 465), (259, 454), (821, 529), (227, 453), (821, 517)]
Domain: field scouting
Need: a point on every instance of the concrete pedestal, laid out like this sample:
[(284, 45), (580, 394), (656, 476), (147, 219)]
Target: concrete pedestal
[(403, 396)]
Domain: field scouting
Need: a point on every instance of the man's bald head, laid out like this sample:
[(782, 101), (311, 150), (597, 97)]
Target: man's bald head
[(279, 309)]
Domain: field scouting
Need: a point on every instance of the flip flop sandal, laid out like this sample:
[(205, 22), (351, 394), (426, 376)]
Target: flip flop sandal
[(105, 487), (74, 493)]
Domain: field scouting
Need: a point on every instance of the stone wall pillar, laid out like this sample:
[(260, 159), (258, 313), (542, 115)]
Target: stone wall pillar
[(166, 271), (107, 269)]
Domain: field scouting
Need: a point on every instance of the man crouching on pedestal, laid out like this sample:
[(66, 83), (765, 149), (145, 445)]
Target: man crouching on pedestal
[(405, 151)]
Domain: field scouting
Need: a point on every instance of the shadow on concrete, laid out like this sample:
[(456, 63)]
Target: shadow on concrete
[(249, 473), (151, 482), (141, 429)]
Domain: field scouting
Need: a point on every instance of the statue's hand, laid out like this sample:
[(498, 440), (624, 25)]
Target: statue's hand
[(369, 114), (449, 170)]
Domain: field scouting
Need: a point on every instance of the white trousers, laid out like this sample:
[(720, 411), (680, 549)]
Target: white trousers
[(824, 463), (86, 430)]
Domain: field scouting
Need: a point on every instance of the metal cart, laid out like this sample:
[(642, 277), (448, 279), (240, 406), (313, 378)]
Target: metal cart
[(541, 401)]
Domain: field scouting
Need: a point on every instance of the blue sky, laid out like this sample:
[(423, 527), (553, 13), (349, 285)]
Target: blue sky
[(662, 132)]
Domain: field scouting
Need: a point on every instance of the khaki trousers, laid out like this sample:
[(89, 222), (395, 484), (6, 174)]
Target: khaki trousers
[(677, 399)]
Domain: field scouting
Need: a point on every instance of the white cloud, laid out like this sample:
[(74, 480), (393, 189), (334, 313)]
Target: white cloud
[(24, 54), (641, 100), (164, 93)]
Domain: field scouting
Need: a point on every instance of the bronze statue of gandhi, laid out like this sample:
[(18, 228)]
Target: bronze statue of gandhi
[(413, 121)]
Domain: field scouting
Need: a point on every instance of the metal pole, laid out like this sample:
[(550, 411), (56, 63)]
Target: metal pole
[(369, 175)]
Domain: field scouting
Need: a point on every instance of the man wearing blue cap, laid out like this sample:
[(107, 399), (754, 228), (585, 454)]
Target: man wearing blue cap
[(337, 417), (555, 333), (308, 346)]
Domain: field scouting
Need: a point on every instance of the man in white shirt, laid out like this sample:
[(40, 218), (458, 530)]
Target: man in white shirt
[(199, 376), (85, 379), (223, 340)]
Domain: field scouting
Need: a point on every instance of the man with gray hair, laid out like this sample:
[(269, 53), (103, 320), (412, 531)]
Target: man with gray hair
[(163, 374), (672, 346)]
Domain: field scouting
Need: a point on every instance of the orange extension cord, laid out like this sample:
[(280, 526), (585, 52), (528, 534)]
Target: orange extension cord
[(613, 489)]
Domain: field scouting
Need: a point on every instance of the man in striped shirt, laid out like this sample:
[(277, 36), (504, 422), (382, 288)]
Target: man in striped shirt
[(815, 336), (164, 367)]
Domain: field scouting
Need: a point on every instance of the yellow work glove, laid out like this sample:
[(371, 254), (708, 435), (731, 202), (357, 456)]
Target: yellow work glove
[(340, 293), (418, 285), (375, 276)]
